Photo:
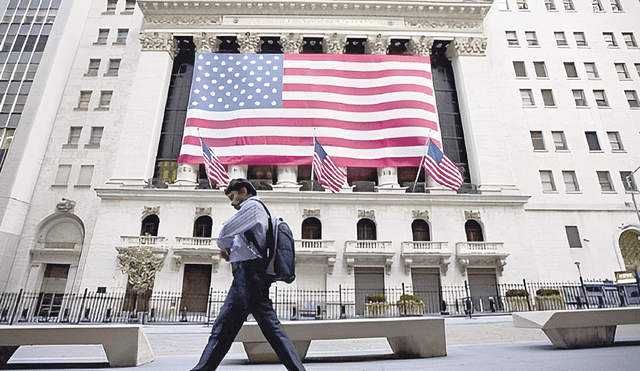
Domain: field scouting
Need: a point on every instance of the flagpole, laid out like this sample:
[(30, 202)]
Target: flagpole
[(421, 162), (208, 180), (312, 154)]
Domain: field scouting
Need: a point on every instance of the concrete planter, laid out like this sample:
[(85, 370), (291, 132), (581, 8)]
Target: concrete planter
[(554, 302)]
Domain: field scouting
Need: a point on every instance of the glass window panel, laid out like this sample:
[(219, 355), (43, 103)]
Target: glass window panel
[(541, 69), (605, 181), (86, 173), (570, 69), (601, 98), (615, 141), (559, 140), (62, 175), (537, 140), (520, 69), (592, 140), (546, 178), (570, 181)]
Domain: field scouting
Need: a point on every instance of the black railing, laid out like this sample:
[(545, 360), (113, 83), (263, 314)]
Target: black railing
[(346, 302)]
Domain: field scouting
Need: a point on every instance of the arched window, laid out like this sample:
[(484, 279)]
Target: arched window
[(150, 225), (473, 230), (311, 229), (202, 226), (420, 230), (366, 230)]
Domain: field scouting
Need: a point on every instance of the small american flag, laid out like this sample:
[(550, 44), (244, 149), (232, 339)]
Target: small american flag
[(441, 168), (215, 171), (328, 173)]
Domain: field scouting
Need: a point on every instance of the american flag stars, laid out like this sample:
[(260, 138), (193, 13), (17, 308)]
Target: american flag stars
[(230, 82)]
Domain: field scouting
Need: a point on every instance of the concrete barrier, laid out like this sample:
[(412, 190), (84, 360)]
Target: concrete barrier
[(124, 345), (579, 328), (408, 337)]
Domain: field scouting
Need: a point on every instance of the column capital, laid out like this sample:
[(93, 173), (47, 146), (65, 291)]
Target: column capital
[(291, 43), (420, 46), (335, 44), (207, 43), (470, 46), (249, 43), (378, 44), (158, 41)]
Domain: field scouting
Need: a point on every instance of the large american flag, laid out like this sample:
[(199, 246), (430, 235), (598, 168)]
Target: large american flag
[(441, 168), (328, 173), (261, 109)]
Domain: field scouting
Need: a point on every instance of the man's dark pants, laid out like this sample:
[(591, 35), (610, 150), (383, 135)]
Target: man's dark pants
[(249, 293)]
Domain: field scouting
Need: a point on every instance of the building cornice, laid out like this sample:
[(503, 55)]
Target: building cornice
[(408, 199), (418, 15)]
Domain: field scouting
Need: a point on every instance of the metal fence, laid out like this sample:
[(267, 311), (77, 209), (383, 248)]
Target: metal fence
[(346, 302)]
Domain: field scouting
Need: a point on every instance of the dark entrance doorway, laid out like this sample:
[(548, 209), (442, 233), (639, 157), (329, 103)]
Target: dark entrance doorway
[(195, 287), (426, 284), (52, 290), (483, 287), (368, 280)]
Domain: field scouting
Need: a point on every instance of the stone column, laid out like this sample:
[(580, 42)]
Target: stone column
[(134, 162), (187, 173), (237, 171), (490, 174), (249, 43), (387, 176), (291, 43)]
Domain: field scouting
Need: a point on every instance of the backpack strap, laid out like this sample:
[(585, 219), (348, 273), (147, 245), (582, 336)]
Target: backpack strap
[(269, 249)]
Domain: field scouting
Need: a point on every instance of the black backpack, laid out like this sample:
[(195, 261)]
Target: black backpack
[(280, 249)]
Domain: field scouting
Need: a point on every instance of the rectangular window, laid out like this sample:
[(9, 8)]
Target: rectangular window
[(601, 98), (573, 236), (522, 4), (83, 103), (537, 140), (592, 140), (532, 39), (570, 181), (547, 98), (541, 69), (62, 175), (629, 39), (604, 178), (615, 141), (616, 6), (597, 6), (96, 136), (94, 65), (105, 100), (130, 5), (111, 5), (592, 71), (581, 39), (637, 68), (559, 140), (609, 39), (503, 4), (103, 34), (86, 173), (629, 181), (527, 98), (546, 178), (578, 96), (570, 69), (114, 66), (74, 137), (561, 39), (621, 69), (122, 36), (632, 98), (520, 69), (550, 4), (568, 5), (512, 38)]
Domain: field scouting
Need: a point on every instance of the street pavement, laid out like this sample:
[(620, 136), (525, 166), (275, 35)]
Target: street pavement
[(480, 343)]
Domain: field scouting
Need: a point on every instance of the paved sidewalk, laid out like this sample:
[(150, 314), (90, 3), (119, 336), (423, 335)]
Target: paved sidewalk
[(478, 344)]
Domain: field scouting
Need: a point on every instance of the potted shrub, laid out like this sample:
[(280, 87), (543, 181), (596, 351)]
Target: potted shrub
[(517, 300), (376, 305), (410, 305), (549, 299)]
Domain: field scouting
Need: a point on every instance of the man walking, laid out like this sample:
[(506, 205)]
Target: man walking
[(243, 240)]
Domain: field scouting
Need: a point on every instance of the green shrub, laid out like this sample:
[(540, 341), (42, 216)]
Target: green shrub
[(547, 292), (411, 298), (517, 293), (376, 298)]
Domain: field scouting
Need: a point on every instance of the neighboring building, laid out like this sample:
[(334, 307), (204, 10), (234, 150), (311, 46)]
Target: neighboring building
[(538, 105)]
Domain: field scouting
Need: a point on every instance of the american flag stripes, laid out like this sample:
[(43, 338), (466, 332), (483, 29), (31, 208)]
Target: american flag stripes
[(215, 171), (441, 168), (328, 173), (261, 109)]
